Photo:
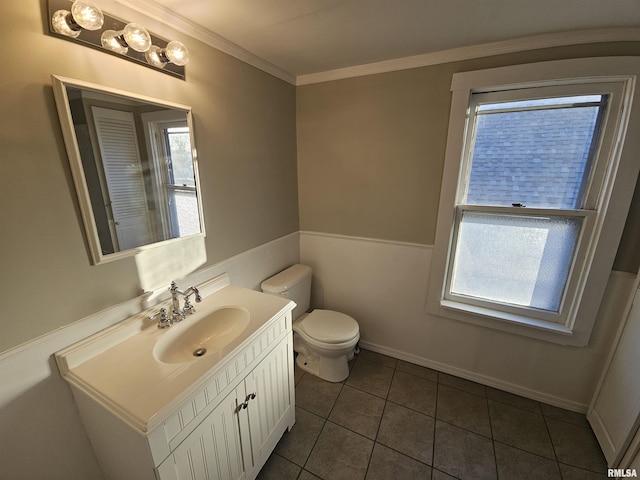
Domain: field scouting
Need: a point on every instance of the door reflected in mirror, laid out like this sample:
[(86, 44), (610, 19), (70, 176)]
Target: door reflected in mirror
[(134, 167)]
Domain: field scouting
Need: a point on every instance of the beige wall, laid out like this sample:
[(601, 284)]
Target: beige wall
[(369, 158), (371, 150), (244, 122)]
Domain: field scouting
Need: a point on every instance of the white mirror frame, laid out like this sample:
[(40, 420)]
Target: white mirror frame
[(60, 85)]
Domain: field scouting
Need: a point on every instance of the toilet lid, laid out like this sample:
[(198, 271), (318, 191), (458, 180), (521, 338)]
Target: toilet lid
[(329, 327)]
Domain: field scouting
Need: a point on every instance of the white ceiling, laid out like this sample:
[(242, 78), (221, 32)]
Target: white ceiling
[(304, 37)]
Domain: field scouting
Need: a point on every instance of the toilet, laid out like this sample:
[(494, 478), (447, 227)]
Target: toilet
[(323, 339)]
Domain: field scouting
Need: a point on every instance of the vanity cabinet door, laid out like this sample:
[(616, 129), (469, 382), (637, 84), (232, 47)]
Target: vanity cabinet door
[(213, 450), (235, 440), (271, 411)]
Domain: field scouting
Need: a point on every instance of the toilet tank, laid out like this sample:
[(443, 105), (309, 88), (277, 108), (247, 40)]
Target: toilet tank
[(293, 283)]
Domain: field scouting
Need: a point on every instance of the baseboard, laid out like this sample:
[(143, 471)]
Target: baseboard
[(478, 378), (602, 433)]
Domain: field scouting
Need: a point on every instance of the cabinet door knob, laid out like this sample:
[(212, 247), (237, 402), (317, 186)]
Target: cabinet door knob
[(252, 396)]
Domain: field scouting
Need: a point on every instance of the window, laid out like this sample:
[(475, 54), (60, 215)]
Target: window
[(180, 182), (532, 175), (173, 174)]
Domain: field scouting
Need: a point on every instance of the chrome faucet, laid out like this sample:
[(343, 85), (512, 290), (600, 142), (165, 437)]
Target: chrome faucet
[(175, 300), (177, 314), (188, 309)]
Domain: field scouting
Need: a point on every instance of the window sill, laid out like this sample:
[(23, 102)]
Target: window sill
[(525, 326)]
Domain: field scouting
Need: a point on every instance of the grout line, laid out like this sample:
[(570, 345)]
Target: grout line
[(493, 440), (435, 425), (553, 447), (384, 407)]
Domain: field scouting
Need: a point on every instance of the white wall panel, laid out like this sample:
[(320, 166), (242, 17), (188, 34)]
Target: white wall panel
[(383, 285), (42, 435)]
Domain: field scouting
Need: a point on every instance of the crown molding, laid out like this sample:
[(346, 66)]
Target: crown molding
[(522, 44), (168, 17)]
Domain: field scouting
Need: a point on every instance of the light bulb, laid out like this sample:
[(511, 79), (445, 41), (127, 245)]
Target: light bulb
[(87, 15), (137, 37), (111, 41), (61, 22), (155, 57), (177, 53)]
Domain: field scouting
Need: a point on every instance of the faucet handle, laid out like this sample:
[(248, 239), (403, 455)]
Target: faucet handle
[(164, 321), (188, 308)]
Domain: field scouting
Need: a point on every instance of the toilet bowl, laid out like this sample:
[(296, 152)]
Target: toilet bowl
[(324, 340)]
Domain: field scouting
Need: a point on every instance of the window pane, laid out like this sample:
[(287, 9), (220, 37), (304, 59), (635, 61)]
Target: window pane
[(517, 260), (181, 165), (183, 206), (540, 158)]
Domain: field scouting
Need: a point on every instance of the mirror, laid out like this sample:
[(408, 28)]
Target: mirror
[(134, 167)]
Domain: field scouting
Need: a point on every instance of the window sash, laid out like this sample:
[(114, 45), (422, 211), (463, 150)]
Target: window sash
[(585, 218), (181, 220), (593, 184), (531, 156)]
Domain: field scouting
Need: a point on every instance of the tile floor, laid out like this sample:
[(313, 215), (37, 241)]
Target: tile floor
[(394, 420)]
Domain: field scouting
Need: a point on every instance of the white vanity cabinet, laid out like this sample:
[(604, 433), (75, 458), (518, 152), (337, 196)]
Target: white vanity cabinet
[(213, 450), (236, 438), (216, 417)]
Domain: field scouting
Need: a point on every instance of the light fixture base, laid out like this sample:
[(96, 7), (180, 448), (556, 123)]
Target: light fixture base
[(93, 39)]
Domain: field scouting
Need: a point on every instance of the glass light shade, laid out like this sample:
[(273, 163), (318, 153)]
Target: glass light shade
[(137, 37), (87, 15), (177, 53), (111, 41), (61, 24), (154, 57)]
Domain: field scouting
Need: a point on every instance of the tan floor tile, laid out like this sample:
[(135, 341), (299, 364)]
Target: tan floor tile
[(463, 454), (464, 410), (358, 411), (521, 429), (371, 377), (388, 464), (414, 392), (408, 432), (340, 454)]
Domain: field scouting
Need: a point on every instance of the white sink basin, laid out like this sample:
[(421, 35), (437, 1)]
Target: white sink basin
[(201, 337)]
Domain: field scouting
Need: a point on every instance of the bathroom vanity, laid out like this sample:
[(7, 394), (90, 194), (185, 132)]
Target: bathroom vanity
[(152, 412)]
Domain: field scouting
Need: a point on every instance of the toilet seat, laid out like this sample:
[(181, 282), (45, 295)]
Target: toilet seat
[(328, 327)]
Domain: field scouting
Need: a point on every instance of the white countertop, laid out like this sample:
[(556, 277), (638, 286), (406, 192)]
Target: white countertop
[(127, 379)]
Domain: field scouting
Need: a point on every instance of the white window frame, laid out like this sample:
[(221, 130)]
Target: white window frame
[(604, 223), (154, 123)]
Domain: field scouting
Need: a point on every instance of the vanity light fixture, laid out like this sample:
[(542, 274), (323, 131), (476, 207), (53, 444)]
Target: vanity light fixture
[(83, 22)]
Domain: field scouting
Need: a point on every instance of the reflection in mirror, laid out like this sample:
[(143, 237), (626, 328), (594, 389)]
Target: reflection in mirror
[(134, 167)]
